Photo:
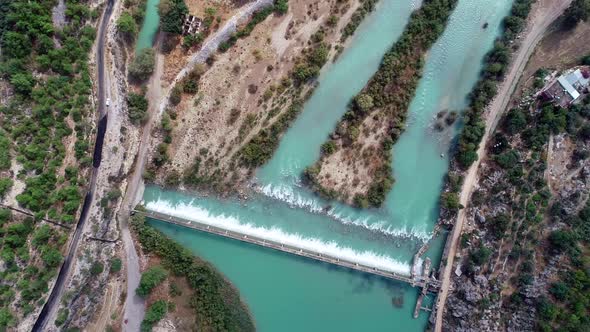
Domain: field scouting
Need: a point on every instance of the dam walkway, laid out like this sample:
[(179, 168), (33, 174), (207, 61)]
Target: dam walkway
[(425, 282)]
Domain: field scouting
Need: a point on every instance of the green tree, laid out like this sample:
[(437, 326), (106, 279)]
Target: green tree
[(116, 265), (154, 314), (96, 268), (364, 102), (126, 26), (5, 185), (137, 106), (23, 83), (143, 65), (578, 11), (450, 200), (6, 318), (150, 279), (171, 15), (51, 256)]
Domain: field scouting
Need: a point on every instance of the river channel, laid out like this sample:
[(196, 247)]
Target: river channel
[(287, 293)]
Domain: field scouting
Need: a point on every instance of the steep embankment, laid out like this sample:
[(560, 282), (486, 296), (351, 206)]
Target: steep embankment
[(228, 111)]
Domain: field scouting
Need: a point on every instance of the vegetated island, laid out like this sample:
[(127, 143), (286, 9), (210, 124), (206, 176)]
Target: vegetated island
[(355, 165)]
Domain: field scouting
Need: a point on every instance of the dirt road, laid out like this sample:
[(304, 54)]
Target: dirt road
[(543, 14), (134, 305)]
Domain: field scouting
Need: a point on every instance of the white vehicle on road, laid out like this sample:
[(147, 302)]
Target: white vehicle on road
[(108, 102)]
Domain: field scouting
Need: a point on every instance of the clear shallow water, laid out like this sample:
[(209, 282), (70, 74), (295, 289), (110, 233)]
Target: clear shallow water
[(286, 293), (149, 27)]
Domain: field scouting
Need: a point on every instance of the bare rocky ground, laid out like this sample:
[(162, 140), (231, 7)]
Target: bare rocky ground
[(543, 13), (237, 97), (567, 182)]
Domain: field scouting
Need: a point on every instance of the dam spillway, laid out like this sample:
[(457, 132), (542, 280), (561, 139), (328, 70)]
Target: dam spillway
[(422, 281)]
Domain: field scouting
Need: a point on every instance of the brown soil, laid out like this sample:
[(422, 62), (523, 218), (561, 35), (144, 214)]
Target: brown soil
[(348, 174), (236, 97), (182, 316), (176, 59), (558, 50)]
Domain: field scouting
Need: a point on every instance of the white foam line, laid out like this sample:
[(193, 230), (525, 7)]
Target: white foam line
[(288, 195), (230, 223)]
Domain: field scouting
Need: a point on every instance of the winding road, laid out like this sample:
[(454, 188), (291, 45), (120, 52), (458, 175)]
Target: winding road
[(546, 12), (52, 304)]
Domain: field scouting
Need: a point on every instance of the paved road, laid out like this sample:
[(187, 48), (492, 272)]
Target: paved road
[(52, 304), (546, 12)]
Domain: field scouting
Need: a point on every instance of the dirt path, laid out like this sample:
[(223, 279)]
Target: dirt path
[(545, 12), (135, 306), (212, 43)]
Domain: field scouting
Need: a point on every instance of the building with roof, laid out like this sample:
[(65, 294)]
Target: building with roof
[(191, 25), (568, 87)]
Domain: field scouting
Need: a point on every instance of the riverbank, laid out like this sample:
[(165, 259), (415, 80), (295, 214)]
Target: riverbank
[(210, 300), (452, 212), (376, 117), (238, 126)]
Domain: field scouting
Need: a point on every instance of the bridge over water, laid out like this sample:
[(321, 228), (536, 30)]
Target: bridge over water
[(425, 282)]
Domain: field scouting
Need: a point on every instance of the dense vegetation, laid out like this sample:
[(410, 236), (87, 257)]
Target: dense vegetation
[(261, 147), (389, 93), (217, 305), (538, 234), (359, 15), (171, 15), (568, 305), (48, 72), (579, 10)]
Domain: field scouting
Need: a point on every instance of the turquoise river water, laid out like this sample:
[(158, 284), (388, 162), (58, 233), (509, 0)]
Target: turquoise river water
[(149, 27), (287, 293)]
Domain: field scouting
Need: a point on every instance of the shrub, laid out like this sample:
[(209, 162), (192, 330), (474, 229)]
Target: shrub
[(150, 279), (116, 265), (154, 314), (175, 95), (137, 106), (126, 26), (143, 64), (96, 268)]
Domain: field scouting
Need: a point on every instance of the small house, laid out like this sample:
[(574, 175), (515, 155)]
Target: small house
[(568, 87), (191, 25)]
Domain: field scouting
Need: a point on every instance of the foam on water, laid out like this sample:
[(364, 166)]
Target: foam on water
[(289, 195), (275, 234)]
